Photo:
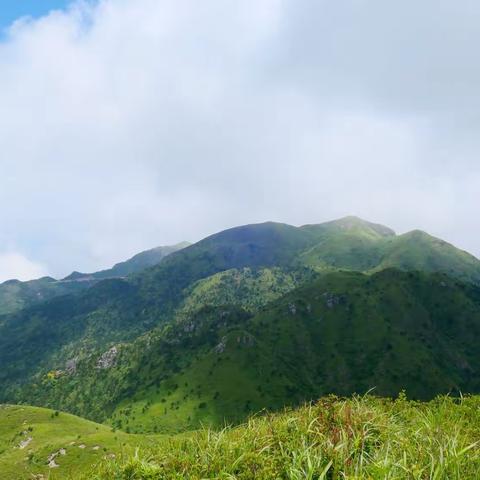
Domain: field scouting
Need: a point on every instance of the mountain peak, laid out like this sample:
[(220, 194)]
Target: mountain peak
[(354, 224)]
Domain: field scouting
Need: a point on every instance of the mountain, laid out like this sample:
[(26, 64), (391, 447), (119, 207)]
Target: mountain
[(417, 250), (340, 333), (137, 263), (353, 244), (16, 295), (255, 316)]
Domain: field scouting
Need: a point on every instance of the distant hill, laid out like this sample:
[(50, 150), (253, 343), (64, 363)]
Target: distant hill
[(255, 316), (353, 244), (137, 263), (341, 333), (15, 295)]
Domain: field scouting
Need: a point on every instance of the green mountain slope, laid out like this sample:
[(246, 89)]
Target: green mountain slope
[(15, 295), (86, 352), (342, 333), (419, 251), (40, 443), (353, 244)]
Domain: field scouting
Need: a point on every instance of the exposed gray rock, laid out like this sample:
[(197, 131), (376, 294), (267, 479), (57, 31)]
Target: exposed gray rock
[(331, 300), (71, 366), (220, 348), (25, 443), (108, 359)]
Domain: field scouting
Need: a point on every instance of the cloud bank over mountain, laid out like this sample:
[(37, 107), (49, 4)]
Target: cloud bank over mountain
[(130, 123)]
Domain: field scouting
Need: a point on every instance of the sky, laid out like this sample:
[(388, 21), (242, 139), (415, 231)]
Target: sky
[(127, 124), (12, 10)]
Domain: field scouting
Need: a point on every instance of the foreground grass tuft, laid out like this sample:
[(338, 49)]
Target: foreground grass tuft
[(358, 438)]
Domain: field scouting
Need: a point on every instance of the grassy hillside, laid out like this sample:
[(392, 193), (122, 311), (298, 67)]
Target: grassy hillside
[(344, 333), (359, 438), (419, 251), (353, 244), (257, 317), (341, 333), (250, 288), (31, 438), (362, 331)]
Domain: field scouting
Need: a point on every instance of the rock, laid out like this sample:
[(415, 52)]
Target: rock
[(331, 300), (53, 456), (82, 446), (25, 443), (53, 464), (189, 327), (71, 366), (220, 348), (96, 447), (108, 359)]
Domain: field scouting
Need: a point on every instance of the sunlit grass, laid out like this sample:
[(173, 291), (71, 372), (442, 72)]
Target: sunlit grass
[(359, 438)]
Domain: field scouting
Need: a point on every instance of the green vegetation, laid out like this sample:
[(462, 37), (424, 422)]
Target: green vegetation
[(352, 244), (31, 438), (360, 438), (291, 334), (257, 317), (250, 288), (340, 333), (16, 295)]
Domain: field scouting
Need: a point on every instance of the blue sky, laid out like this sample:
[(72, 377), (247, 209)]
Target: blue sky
[(10, 10)]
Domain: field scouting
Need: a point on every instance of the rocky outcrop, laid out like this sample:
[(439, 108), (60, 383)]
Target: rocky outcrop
[(108, 359)]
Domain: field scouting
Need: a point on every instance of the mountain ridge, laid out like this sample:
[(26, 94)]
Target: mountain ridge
[(85, 352)]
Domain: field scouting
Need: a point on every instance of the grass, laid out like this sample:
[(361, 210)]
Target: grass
[(358, 438), (355, 438), (86, 443)]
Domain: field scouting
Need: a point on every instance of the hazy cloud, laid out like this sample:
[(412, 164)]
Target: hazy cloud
[(15, 265), (132, 123)]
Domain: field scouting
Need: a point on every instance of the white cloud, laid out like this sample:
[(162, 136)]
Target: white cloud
[(15, 266), (133, 123)]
